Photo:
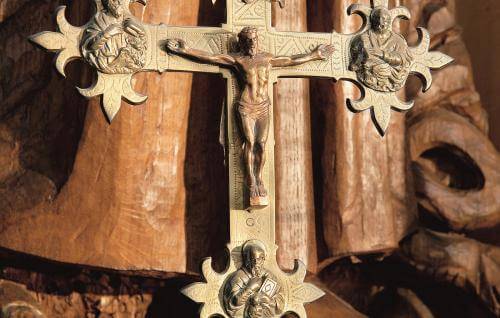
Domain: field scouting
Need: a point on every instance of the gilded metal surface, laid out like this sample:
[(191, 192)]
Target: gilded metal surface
[(380, 57), (352, 58), (20, 309), (253, 291), (114, 42), (118, 45), (252, 67), (245, 290), (382, 61), (280, 2)]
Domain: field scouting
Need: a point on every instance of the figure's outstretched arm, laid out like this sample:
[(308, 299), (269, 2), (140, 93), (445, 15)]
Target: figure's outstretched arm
[(179, 47), (322, 52)]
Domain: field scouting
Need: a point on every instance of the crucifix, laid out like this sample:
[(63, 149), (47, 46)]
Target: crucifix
[(253, 68), (251, 55)]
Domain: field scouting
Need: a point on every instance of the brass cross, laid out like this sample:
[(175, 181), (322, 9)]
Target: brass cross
[(379, 60)]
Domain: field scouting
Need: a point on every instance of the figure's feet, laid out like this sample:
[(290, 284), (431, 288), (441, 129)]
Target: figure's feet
[(258, 196), (254, 191)]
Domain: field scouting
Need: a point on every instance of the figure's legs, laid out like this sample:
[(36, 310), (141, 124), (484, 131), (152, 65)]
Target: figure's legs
[(262, 133), (248, 127)]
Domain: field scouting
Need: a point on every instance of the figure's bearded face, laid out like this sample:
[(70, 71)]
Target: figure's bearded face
[(115, 7), (255, 262), (381, 20), (249, 42)]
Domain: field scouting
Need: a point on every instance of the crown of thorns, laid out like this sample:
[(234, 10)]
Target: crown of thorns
[(245, 31)]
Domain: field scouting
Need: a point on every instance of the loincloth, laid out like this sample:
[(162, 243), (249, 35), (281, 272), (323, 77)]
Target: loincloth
[(254, 111)]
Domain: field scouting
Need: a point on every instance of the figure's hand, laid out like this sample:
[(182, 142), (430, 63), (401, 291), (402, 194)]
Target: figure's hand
[(245, 295), (376, 52), (264, 299), (265, 304), (325, 51), (132, 27), (113, 30), (176, 45)]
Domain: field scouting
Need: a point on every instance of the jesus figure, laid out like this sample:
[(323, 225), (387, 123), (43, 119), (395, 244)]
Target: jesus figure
[(252, 67)]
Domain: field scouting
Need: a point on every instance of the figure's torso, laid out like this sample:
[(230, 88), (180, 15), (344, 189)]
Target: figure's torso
[(255, 75), (121, 53), (386, 42)]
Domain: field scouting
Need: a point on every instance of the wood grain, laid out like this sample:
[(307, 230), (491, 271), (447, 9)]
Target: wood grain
[(295, 218), (366, 196)]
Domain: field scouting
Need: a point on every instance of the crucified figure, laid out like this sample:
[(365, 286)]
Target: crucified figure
[(252, 67)]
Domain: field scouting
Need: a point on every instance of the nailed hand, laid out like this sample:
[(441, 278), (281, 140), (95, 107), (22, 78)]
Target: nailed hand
[(176, 45), (325, 51)]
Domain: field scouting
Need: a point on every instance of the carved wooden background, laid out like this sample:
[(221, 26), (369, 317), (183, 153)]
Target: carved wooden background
[(111, 220)]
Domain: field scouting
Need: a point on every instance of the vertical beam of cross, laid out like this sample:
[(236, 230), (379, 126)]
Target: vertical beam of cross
[(251, 224)]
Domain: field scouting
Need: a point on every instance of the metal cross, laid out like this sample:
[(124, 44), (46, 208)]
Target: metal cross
[(379, 60)]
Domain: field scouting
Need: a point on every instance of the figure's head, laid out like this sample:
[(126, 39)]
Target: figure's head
[(114, 7), (381, 20), (248, 40), (254, 257)]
